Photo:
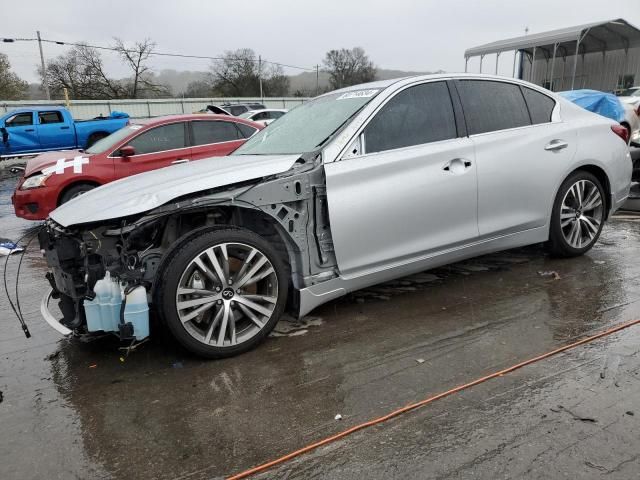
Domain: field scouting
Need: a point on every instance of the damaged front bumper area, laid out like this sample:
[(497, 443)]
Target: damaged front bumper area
[(92, 276)]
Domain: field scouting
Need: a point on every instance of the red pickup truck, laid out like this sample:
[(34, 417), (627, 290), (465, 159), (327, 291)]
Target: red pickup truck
[(53, 178)]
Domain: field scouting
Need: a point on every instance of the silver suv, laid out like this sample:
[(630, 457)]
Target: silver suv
[(355, 187)]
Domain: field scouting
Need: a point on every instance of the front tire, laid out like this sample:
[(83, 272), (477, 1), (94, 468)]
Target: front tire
[(578, 215), (75, 191), (222, 291)]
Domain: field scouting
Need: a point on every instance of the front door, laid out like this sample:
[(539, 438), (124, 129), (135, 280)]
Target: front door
[(20, 134), (412, 191), (155, 148)]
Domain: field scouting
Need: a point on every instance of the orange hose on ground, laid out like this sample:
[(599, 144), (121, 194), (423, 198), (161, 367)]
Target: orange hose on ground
[(421, 403)]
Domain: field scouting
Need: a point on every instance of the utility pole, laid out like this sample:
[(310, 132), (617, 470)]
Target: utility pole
[(260, 76), (317, 79), (45, 81)]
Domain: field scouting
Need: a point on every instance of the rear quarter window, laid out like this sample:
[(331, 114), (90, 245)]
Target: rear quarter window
[(489, 106), (540, 105)]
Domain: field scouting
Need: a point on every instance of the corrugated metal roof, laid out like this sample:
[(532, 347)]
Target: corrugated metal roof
[(598, 36)]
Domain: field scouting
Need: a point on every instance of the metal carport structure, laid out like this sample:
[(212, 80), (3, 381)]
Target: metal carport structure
[(591, 38)]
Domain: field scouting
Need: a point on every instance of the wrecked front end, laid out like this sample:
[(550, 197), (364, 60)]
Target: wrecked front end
[(104, 275), (98, 278)]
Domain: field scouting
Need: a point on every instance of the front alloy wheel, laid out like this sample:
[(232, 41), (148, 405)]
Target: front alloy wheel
[(229, 289), (578, 215)]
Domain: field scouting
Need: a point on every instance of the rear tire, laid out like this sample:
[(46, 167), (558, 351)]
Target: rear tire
[(578, 215), (94, 137), (202, 299), (75, 191)]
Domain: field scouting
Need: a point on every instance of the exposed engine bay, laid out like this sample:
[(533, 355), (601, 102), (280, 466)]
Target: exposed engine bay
[(287, 209)]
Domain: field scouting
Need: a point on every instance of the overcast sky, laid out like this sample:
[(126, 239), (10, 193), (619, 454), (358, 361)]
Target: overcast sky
[(397, 34)]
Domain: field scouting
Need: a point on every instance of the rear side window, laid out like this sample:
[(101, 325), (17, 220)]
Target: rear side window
[(490, 106), (246, 130), (214, 132), (50, 117), (276, 115), (20, 119), (417, 115), (236, 110), (166, 137), (540, 105)]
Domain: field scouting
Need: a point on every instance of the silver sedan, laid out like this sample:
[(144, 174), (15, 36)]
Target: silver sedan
[(353, 188)]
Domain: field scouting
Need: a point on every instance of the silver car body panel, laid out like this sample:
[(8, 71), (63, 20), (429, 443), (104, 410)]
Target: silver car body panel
[(143, 192)]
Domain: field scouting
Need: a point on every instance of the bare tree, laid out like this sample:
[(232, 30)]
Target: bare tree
[(12, 87), (141, 82), (238, 74), (349, 67), (81, 72)]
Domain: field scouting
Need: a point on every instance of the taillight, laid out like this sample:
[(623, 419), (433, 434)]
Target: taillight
[(621, 131)]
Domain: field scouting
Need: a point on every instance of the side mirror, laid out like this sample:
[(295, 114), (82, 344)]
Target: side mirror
[(127, 151), (4, 134)]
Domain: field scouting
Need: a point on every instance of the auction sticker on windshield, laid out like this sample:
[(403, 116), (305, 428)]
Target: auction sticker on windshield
[(358, 94)]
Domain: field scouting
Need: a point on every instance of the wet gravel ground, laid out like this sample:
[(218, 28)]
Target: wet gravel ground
[(72, 409)]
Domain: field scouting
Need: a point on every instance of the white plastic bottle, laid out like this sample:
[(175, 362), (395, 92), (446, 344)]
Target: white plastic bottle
[(136, 311)]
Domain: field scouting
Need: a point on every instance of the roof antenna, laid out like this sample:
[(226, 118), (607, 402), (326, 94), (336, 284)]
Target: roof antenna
[(526, 30)]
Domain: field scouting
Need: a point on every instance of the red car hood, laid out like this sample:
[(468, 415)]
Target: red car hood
[(44, 160)]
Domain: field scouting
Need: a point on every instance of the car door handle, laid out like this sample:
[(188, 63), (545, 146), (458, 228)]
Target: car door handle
[(29, 129), (64, 128), (457, 166), (554, 145), (182, 160)]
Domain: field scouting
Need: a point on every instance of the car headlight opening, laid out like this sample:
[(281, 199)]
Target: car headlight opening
[(35, 181)]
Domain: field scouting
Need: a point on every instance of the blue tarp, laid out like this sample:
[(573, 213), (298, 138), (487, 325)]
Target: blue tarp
[(116, 114), (606, 104)]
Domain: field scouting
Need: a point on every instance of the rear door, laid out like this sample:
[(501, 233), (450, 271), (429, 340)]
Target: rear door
[(54, 133), (155, 148), (214, 138), (520, 153), (21, 134), (412, 192)]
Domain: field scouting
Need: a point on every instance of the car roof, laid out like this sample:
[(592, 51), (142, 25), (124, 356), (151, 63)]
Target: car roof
[(181, 118), (384, 84)]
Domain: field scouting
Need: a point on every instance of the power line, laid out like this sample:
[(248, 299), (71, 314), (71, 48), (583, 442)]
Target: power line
[(159, 54)]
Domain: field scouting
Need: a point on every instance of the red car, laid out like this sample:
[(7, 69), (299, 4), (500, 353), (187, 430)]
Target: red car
[(53, 178)]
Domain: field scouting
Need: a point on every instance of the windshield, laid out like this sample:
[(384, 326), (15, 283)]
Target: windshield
[(307, 127), (110, 141)]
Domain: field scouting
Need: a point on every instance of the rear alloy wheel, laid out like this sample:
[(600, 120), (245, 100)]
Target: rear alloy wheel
[(578, 215), (223, 292)]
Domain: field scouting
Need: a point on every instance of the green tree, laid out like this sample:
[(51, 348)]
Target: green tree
[(12, 87)]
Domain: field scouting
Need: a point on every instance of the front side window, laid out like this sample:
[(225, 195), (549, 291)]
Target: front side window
[(489, 106), (214, 132), (50, 117), (417, 115), (20, 120), (166, 137), (540, 105)]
